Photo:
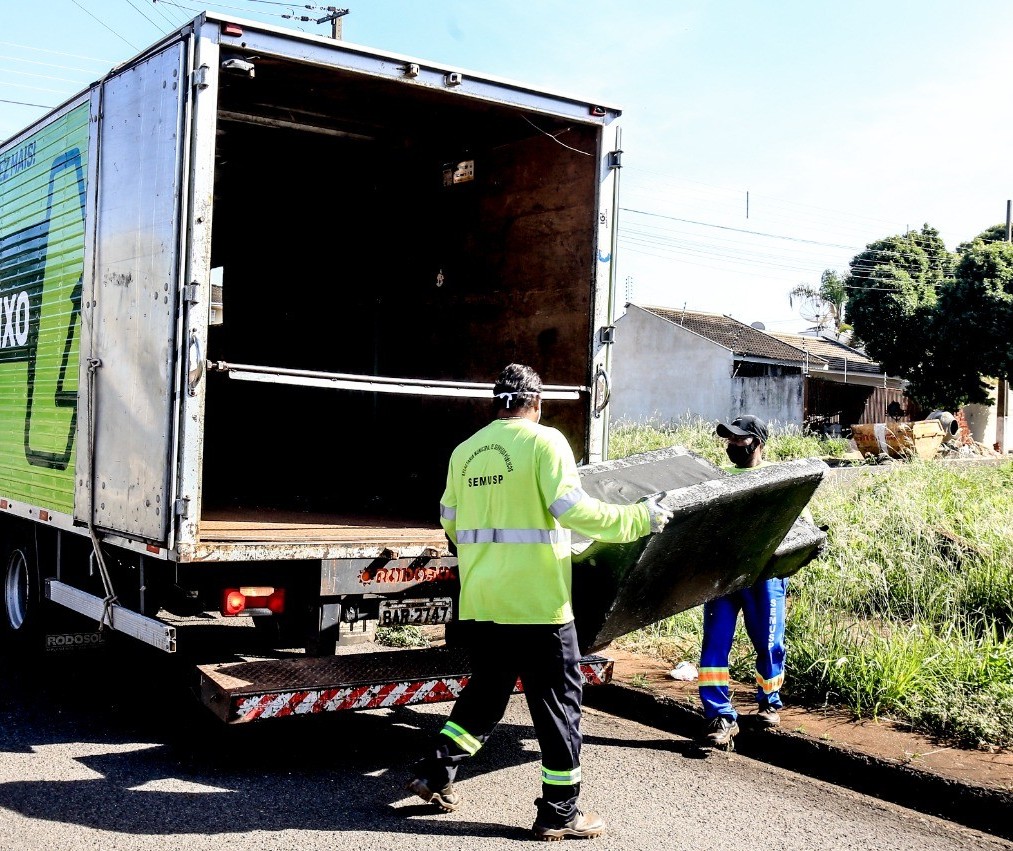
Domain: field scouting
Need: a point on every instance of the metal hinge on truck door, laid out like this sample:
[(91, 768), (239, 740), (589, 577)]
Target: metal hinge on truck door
[(182, 507), (199, 79)]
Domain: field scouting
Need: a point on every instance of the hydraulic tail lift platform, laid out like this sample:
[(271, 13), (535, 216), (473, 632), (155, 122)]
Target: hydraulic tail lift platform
[(258, 690), (727, 532)]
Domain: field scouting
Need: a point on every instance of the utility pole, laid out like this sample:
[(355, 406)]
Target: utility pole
[(1003, 390), (334, 16)]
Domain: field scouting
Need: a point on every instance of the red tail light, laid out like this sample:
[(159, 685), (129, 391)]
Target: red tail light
[(233, 603), (253, 600)]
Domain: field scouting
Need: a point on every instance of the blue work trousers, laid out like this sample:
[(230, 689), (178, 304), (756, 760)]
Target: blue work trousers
[(762, 607)]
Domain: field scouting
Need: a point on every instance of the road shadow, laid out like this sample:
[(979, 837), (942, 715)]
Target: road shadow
[(157, 762)]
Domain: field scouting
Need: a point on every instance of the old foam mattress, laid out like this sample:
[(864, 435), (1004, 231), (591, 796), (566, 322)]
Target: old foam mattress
[(727, 532)]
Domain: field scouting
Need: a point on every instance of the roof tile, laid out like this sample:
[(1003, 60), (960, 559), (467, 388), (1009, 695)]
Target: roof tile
[(838, 355), (739, 338)]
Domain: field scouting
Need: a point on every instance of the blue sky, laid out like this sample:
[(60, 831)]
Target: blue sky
[(842, 123)]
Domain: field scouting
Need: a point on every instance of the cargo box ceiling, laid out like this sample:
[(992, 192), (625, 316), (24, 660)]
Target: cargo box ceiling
[(356, 106)]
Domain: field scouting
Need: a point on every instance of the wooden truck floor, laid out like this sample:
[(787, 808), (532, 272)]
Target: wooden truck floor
[(270, 525)]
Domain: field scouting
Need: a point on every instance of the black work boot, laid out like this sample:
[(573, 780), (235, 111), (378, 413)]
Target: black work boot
[(768, 715), (720, 731), (560, 819), (582, 826), (446, 798)]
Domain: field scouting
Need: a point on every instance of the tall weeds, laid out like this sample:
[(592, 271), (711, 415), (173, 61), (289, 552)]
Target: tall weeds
[(909, 613)]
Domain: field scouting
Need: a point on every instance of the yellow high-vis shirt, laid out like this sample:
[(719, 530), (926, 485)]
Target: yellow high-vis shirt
[(513, 494)]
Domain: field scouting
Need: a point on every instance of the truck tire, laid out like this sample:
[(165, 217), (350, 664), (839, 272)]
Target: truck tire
[(21, 615)]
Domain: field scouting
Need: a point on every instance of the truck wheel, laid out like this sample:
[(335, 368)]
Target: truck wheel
[(22, 597)]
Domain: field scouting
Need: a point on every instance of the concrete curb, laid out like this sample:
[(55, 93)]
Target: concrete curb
[(977, 807)]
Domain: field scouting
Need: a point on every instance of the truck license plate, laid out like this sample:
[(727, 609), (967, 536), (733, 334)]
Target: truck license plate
[(434, 610)]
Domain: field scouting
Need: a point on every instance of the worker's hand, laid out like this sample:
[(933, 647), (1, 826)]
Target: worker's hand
[(659, 514)]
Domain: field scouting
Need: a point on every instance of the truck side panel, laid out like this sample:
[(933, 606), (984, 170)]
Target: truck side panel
[(131, 304), (42, 196)]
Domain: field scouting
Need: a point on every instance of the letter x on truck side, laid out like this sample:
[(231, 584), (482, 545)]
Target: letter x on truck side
[(247, 308), (254, 286)]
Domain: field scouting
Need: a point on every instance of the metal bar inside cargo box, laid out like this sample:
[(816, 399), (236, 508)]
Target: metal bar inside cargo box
[(379, 384)]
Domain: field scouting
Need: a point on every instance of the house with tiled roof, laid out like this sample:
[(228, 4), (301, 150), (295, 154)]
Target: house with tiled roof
[(841, 359), (668, 364), (853, 389)]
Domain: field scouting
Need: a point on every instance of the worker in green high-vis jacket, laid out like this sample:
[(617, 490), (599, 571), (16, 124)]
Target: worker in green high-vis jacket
[(513, 495)]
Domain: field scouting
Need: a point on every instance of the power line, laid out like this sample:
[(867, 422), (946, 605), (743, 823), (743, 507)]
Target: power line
[(145, 15), (104, 24), (44, 64), (61, 92), (737, 230), (666, 235), (23, 103), (37, 76), (165, 15), (737, 195), (290, 5), (56, 52), (245, 9)]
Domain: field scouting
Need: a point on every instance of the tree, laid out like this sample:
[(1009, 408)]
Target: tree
[(975, 312), (940, 320), (996, 233), (823, 306), (893, 287)]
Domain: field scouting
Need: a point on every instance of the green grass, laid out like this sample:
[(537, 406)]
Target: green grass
[(786, 442), (403, 635), (909, 614)]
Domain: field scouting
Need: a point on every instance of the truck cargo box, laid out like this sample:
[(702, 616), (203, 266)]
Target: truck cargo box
[(260, 283), (304, 263)]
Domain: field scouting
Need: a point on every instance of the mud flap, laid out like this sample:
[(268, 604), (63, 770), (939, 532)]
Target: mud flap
[(727, 532)]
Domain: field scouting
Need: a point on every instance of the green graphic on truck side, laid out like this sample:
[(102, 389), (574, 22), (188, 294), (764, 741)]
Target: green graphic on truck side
[(42, 204)]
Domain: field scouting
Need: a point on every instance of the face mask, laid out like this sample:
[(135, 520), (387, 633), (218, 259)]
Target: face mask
[(740, 456)]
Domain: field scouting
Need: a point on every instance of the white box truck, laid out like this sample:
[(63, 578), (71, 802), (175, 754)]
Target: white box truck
[(255, 287)]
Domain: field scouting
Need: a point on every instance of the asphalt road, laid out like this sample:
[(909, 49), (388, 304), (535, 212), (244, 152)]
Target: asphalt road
[(95, 760)]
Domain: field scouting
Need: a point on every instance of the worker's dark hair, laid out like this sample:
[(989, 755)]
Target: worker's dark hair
[(517, 388)]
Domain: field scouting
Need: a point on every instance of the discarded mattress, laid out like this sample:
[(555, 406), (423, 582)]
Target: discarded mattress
[(727, 532)]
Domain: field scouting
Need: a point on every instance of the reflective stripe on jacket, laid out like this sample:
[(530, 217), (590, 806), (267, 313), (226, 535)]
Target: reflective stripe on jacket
[(512, 494)]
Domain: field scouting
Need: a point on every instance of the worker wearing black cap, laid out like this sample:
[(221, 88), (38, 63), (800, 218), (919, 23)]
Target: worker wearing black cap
[(762, 607), (513, 496)]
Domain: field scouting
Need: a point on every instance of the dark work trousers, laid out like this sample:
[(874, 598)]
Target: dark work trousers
[(546, 659)]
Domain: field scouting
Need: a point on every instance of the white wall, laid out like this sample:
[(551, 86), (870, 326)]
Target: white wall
[(662, 371), (772, 399), (984, 423)]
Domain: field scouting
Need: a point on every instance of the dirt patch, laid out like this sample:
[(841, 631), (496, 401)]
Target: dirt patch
[(882, 740)]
